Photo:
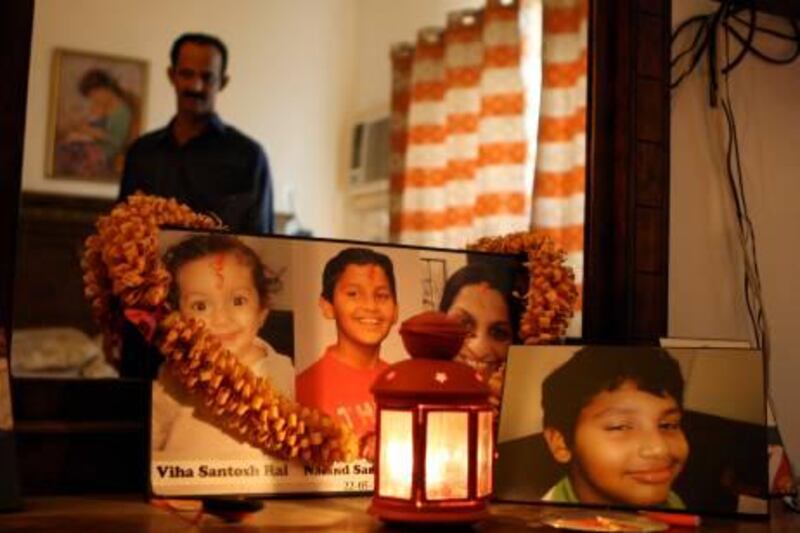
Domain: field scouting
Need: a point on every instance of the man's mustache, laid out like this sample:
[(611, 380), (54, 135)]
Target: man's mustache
[(193, 94)]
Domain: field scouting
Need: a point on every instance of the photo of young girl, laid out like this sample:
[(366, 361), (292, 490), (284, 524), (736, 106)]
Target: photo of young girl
[(221, 281), (640, 427)]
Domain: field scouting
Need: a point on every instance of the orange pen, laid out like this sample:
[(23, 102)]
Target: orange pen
[(674, 519)]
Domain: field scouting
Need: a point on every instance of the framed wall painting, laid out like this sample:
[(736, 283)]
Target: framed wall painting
[(319, 319), (635, 427), (97, 103)]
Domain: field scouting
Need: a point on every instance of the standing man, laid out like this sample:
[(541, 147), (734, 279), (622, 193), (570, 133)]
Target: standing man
[(197, 159)]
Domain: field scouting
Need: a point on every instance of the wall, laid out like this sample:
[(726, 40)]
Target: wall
[(706, 294), (291, 74), (380, 24)]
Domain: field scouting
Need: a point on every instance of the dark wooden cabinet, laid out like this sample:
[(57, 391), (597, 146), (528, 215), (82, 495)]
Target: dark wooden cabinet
[(48, 287), (627, 199)]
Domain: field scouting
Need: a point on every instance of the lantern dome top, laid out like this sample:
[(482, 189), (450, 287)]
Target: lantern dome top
[(433, 339), (432, 335), (430, 380)]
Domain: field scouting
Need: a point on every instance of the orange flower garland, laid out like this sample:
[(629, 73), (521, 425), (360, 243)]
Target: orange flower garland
[(551, 292), (123, 274)]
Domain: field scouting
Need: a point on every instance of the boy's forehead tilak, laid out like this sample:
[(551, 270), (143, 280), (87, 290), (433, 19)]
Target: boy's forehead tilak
[(373, 272), (370, 271)]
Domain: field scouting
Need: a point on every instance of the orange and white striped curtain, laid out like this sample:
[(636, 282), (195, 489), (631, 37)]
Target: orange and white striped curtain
[(489, 128), (459, 139), (560, 179)]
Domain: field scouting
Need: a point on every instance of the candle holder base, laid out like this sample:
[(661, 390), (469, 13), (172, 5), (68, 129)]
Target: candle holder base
[(410, 512)]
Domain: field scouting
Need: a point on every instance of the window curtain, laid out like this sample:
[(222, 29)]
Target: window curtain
[(489, 128), (560, 176), (459, 149)]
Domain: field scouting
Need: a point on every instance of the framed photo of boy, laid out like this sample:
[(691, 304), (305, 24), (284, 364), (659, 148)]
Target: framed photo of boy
[(97, 102), (641, 427), (319, 319)]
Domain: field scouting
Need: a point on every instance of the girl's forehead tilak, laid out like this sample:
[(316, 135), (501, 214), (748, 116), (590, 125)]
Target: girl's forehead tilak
[(217, 265)]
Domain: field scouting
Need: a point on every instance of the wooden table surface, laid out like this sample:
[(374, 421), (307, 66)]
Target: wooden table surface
[(120, 514)]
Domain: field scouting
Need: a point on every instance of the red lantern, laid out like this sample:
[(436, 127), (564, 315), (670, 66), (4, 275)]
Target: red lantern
[(435, 430)]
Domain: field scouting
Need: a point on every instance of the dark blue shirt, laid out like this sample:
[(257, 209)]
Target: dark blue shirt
[(221, 171)]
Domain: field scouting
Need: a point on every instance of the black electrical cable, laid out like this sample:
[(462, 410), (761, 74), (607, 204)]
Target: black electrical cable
[(705, 38), (747, 47), (730, 65), (713, 85), (770, 31), (700, 33), (735, 175), (702, 20), (704, 43), (742, 217), (698, 46)]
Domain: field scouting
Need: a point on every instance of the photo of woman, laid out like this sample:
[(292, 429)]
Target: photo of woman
[(481, 296)]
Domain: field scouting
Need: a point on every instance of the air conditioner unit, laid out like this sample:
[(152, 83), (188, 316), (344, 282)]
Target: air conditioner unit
[(369, 161)]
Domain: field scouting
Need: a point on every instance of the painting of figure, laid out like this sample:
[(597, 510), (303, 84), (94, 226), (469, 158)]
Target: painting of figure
[(97, 105)]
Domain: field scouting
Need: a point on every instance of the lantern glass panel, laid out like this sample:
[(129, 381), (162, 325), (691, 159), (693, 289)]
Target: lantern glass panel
[(484, 481), (396, 458), (446, 455)]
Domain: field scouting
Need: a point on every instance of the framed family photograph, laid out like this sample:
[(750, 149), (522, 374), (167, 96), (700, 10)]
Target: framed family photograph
[(635, 427), (97, 104), (319, 319)]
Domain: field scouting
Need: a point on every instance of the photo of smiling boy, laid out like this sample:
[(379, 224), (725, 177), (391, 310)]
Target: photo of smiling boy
[(612, 419), (359, 294)]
